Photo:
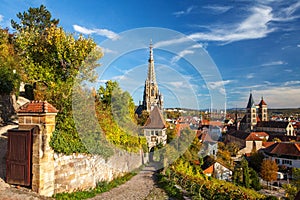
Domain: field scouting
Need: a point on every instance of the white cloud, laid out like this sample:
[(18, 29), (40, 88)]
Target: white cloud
[(1, 18), (298, 45), (218, 9), (250, 76), (279, 62), (171, 42), (184, 12), (106, 50), (103, 32), (292, 8), (291, 83), (181, 54), (281, 97), (218, 84), (253, 27)]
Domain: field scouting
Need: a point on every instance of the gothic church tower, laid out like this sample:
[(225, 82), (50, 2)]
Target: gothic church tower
[(263, 110), (152, 96), (251, 113)]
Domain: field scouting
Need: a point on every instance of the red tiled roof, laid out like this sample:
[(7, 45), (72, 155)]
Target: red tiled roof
[(284, 148), (267, 144), (37, 107)]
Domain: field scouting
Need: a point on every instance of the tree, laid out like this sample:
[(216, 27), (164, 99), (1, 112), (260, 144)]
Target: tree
[(9, 65), (35, 19), (269, 170), (141, 120), (255, 161), (53, 61), (294, 187), (246, 178), (254, 180)]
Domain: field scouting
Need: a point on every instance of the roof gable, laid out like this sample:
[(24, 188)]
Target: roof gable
[(155, 120)]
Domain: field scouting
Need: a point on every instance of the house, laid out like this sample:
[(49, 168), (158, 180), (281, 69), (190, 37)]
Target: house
[(247, 142), (212, 167), (155, 129), (276, 127), (284, 153), (209, 146)]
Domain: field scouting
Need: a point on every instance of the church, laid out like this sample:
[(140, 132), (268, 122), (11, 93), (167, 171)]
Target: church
[(152, 96), (155, 127), (256, 119)]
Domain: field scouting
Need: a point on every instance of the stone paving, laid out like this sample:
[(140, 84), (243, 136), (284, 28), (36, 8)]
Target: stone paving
[(140, 187)]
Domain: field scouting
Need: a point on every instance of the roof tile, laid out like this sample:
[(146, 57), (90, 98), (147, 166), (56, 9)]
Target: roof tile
[(37, 107)]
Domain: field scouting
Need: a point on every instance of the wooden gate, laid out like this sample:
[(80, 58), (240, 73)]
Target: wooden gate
[(19, 155)]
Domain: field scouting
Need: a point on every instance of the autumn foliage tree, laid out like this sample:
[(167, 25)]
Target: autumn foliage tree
[(269, 170), (53, 61)]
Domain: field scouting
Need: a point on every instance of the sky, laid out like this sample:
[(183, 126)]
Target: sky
[(208, 53)]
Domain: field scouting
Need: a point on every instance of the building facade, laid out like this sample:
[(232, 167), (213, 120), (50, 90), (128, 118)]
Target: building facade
[(155, 129)]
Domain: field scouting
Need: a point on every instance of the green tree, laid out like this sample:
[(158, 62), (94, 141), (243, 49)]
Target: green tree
[(294, 187), (9, 65), (35, 19), (269, 170), (115, 113), (255, 161), (141, 120), (52, 60), (246, 178), (254, 180)]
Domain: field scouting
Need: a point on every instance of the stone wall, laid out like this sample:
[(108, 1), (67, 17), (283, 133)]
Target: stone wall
[(7, 107), (81, 171)]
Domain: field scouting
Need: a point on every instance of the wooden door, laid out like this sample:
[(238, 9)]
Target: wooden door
[(19, 151)]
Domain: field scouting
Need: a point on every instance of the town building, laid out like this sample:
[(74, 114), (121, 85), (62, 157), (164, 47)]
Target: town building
[(284, 153), (155, 129)]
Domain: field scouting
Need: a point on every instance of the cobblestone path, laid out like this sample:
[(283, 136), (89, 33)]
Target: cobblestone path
[(140, 187)]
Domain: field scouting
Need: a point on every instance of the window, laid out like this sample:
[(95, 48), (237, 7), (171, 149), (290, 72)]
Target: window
[(277, 161), (147, 133), (288, 162)]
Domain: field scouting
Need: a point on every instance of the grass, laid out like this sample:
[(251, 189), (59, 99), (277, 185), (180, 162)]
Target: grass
[(100, 188)]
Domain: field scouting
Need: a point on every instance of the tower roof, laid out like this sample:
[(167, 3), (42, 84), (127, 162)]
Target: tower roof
[(155, 120), (262, 102), (250, 101)]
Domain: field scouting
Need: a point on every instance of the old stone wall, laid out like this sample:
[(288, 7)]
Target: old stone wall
[(82, 171), (7, 107)]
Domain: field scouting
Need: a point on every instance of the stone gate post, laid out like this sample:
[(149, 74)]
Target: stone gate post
[(41, 114)]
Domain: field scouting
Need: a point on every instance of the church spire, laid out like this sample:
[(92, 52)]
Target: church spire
[(151, 72), (250, 101)]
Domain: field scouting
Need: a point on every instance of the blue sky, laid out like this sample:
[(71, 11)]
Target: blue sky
[(243, 45)]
